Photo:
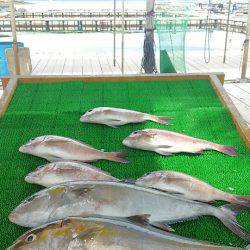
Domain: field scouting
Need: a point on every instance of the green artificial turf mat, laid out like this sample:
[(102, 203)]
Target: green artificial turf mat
[(42, 109)]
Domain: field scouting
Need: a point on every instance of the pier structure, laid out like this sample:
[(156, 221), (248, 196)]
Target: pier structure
[(104, 21)]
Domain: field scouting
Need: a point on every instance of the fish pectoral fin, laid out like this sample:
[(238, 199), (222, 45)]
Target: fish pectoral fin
[(162, 226), (112, 122), (52, 158), (164, 151), (82, 191), (198, 152), (112, 126), (142, 219)]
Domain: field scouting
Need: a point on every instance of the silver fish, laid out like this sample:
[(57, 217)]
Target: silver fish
[(167, 143), (189, 187), (116, 199), (57, 148), (100, 233), (114, 117), (64, 171)]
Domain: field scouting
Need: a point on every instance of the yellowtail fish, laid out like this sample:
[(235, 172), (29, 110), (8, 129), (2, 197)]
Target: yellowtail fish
[(117, 199), (189, 187), (102, 233), (114, 117), (167, 143), (57, 148), (64, 171)]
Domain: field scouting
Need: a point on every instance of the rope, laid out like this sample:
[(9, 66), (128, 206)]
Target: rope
[(241, 59), (148, 59), (207, 39)]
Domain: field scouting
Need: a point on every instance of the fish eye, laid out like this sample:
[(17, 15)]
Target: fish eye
[(30, 238), (32, 139), (90, 111), (40, 167), (29, 199), (136, 132)]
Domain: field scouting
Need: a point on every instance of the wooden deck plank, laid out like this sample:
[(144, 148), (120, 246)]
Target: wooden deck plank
[(48, 69), (115, 69), (243, 109), (136, 64), (240, 98), (68, 67), (238, 93), (97, 70), (58, 68), (87, 67), (243, 86), (41, 66), (103, 65), (77, 65), (34, 62)]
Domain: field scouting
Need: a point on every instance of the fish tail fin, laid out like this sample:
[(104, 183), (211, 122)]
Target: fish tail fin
[(117, 156), (160, 119), (228, 150), (227, 216), (239, 199)]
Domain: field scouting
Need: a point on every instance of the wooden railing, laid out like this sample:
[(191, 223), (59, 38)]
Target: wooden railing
[(95, 24)]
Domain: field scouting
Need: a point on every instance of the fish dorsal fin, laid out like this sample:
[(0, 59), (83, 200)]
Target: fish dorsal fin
[(142, 219), (53, 141), (167, 191), (162, 226), (128, 181)]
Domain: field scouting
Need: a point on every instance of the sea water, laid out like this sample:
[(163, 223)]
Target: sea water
[(78, 5)]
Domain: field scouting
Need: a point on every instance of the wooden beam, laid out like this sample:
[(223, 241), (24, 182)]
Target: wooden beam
[(246, 46), (7, 95), (115, 78), (238, 120), (15, 44)]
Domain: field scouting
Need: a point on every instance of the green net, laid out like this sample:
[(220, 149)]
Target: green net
[(171, 29)]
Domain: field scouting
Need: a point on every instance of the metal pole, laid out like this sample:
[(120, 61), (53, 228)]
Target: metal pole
[(228, 17), (15, 44), (114, 33), (246, 46), (122, 63)]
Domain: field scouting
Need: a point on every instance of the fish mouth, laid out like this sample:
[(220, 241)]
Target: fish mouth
[(84, 118), (30, 178), (12, 217), (22, 149), (125, 141)]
